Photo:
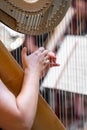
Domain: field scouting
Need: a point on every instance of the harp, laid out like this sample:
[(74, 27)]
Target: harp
[(33, 18)]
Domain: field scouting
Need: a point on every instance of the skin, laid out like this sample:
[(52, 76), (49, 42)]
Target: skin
[(18, 113)]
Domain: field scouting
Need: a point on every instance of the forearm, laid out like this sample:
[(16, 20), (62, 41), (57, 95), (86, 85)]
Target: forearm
[(28, 97), (19, 112)]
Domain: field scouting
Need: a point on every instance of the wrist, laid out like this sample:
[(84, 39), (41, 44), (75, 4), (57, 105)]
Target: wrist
[(32, 72)]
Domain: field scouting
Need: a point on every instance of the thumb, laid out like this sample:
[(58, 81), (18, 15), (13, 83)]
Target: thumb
[(24, 55), (52, 55)]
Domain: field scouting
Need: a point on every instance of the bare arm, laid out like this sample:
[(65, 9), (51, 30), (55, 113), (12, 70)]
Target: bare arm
[(18, 113)]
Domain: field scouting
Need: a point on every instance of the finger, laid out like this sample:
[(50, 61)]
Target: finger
[(23, 55), (51, 55), (46, 58), (24, 51), (45, 53), (46, 62), (54, 64), (45, 69), (41, 49), (52, 60)]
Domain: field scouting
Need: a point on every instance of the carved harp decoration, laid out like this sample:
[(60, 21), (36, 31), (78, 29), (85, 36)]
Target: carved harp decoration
[(33, 16)]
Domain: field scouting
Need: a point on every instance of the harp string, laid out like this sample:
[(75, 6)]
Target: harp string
[(66, 105), (76, 102)]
